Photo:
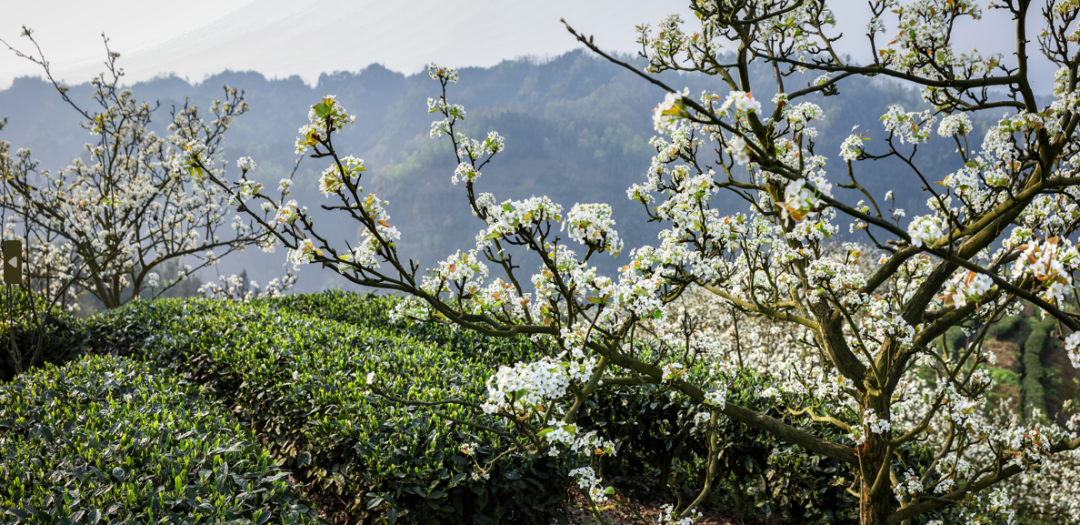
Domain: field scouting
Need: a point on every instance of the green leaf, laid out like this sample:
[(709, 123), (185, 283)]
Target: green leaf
[(321, 110)]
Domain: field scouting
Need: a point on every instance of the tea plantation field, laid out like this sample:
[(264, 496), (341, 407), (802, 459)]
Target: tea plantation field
[(202, 411), (199, 411)]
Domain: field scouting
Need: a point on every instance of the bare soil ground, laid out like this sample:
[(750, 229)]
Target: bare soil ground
[(635, 496), (647, 503)]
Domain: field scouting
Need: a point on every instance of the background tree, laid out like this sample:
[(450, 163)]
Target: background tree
[(33, 325), (906, 418), (135, 197)]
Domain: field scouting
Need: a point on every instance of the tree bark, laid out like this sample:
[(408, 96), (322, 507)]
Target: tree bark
[(874, 494)]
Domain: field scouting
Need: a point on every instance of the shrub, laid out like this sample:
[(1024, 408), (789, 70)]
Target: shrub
[(1034, 397), (759, 474), (300, 381), (64, 335), (111, 439), (1006, 326)]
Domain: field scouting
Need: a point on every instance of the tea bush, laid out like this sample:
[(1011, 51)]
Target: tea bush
[(1034, 345), (109, 439), (300, 381)]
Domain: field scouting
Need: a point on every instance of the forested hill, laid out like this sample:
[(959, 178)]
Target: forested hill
[(577, 129)]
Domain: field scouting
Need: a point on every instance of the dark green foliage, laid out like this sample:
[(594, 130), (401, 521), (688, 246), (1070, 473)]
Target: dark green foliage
[(1005, 376), (1008, 325), (300, 381), (758, 473), (109, 439), (62, 338), (1034, 397)]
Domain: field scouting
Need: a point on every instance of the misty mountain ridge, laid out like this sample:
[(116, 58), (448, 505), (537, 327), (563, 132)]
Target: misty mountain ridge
[(576, 126)]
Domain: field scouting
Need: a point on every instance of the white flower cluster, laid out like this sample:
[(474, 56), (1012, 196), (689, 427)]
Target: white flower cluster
[(1051, 263), (245, 164), (366, 252), (742, 102), (718, 397), (736, 147), (1064, 99), (953, 125), (332, 179), (460, 269), (246, 188), (442, 74), (441, 106), (668, 113), (191, 156), (235, 289), (1030, 446), (876, 424), (465, 172), (304, 253), (800, 115), (589, 483), (322, 117), (288, 213), (852, 146), (951, 467), (510, 216), (911, 127), (240, 226), (673, 371), (591, 225), (1072, 347), (585, 444), (966, 286), (801, 199), (524, 386), (666, 518), (924, 229), (493, 143), (910, 485), (839, 275)]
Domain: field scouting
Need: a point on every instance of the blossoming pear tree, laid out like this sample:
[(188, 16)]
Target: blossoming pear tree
[(861, 352), (108, 224)]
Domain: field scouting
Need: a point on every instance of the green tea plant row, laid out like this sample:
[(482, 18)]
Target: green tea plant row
[(300, 381), (108, 439)]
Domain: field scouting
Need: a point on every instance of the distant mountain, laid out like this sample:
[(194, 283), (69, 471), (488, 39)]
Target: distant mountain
[(576, 127)]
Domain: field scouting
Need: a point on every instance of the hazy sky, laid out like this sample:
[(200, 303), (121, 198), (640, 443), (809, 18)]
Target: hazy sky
[(278, 38)]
